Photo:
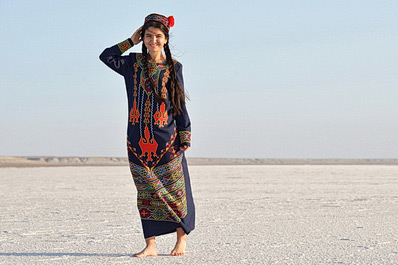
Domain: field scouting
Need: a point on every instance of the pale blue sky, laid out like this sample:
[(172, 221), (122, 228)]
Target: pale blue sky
[(267, 79)]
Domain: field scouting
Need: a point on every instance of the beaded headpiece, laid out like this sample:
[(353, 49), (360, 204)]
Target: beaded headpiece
[(168, 22)]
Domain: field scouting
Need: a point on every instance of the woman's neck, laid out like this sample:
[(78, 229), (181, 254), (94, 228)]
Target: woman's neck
[(157, 57)]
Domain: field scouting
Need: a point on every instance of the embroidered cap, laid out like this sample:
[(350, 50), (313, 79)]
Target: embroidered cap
[(168, 22)]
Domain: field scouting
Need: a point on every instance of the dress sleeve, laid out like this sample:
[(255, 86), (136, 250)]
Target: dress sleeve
[(113, 58), (182, 120)]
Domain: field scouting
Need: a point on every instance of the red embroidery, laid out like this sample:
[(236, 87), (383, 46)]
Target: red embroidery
[(146, 202), (134, 113), (144, 213), (161, 116), (148, 145)]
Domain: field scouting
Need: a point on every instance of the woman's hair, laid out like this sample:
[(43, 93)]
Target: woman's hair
[(176, 92)]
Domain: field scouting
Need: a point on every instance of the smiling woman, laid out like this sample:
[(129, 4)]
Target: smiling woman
[(159, 132)]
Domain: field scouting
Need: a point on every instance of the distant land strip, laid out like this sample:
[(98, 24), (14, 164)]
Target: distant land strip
[(57, 161)]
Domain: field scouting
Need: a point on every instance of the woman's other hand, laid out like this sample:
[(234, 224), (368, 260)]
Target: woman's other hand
[(136, 38), (184, 148)]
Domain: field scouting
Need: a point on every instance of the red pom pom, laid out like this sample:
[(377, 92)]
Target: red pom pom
[(171, 21)]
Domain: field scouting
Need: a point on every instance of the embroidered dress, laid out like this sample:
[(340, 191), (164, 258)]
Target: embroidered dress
[(154, 136)]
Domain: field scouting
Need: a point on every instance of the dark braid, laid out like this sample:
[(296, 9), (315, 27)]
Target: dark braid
[(175, 91)]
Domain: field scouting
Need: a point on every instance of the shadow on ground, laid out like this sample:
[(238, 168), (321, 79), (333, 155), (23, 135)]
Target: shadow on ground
[(59, 254)]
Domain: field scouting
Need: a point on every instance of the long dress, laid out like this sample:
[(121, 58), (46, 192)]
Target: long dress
[(154, 136)]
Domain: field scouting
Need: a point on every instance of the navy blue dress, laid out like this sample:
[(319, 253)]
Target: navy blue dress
[(154, 137)]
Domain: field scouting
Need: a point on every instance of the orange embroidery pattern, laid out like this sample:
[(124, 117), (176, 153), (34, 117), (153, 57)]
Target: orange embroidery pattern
[(148, 145), (134, 113), (161, 115)]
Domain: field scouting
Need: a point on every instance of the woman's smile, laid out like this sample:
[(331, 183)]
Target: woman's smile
[(154, 40)]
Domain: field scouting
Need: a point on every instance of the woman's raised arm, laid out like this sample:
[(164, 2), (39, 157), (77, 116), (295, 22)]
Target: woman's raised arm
[(113, 58)]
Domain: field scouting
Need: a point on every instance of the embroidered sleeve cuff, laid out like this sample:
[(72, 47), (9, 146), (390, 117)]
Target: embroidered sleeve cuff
[(185, 137), (125, 45)]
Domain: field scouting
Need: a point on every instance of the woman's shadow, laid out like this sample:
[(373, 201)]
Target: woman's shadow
[(60, 254)]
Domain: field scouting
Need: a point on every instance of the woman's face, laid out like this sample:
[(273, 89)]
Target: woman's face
[(154, 39)]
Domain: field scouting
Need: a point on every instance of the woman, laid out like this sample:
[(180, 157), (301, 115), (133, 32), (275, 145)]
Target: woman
[(158, 134)]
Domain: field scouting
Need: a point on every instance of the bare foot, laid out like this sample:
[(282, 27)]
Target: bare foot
[(149, 250), (179, 249)]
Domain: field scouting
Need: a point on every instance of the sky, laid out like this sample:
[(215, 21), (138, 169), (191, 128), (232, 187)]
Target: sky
[(266, 79)]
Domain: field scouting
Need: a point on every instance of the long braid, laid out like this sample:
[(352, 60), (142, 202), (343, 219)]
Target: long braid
[(176, 92)]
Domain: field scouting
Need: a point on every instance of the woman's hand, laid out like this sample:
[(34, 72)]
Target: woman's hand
[(136, 38), (184, 148)]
